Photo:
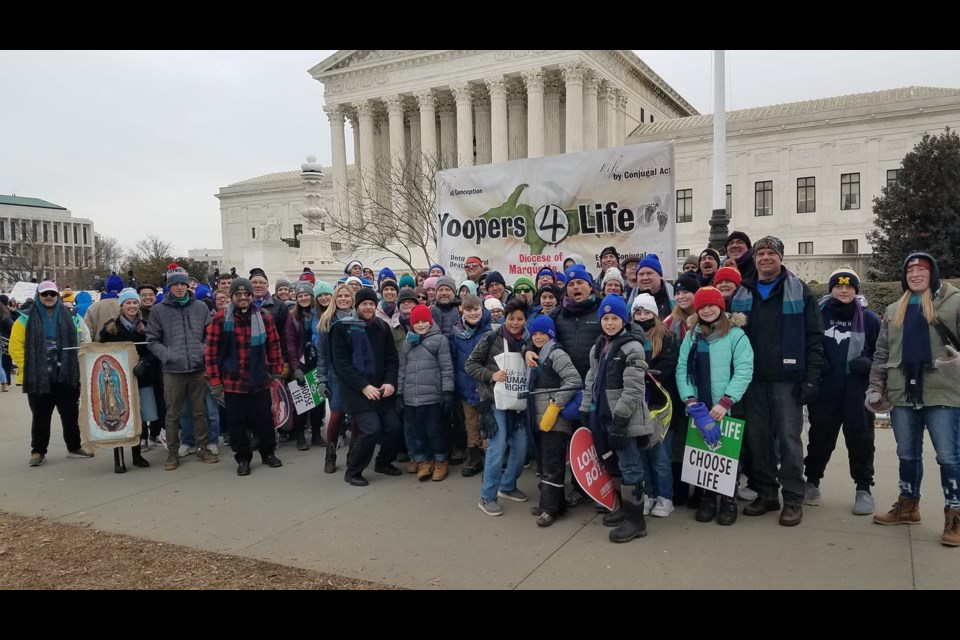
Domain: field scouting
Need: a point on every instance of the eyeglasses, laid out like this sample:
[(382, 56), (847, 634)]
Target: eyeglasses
[(244, 294), (522, 290), (49, 294)]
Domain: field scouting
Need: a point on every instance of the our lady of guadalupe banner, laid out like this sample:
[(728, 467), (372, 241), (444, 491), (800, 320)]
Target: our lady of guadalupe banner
[(521, 216), (109, 396)]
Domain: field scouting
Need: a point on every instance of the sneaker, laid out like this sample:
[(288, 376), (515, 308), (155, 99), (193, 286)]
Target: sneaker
[(662, 507), (863, 504), (80, 453), (516, 495), (490, 507), (173, 461), (811, 494), (545, 520), (647, 504), (576, 497), (214, 449), (37, 459), (186, 450), (155, 442), (205, 455), (746, 493)]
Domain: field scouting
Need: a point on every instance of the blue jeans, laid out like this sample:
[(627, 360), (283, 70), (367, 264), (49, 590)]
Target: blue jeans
[(213, 423), (494, 478), (631, 465), (657, 472), (943, 423), (425, 433)]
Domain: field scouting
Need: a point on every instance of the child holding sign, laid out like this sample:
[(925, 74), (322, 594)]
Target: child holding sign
[(554, 370), (714, 370), (614, 405)]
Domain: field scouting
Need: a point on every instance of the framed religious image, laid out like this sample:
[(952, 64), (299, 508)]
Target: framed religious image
[(109, 397)]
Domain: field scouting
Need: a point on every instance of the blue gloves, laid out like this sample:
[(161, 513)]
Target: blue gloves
[(705, 424)]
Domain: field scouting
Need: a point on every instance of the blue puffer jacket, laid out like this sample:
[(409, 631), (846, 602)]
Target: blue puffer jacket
[(462, 346)]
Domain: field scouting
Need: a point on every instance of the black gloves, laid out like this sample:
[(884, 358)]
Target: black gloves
[(807, 392), (488, 426), (585, 419), (861, 366), (447, 402), (617, 435)]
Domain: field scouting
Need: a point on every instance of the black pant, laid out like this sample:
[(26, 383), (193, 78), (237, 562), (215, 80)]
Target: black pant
[(827, 416), (553, 456), (250, 412), (381, 425), (67, 402)]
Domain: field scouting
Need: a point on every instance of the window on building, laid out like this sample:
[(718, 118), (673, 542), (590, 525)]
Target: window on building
[(75, 235), (651, 118), (683, 253), (46, 232), (805, 248), (850, 246), (336, 246), (13, 230), (253, 233), (56, 232), (684, 205), (3, 232), (893, 177), (297, 230), (85, 238), (849, 191), (23, 230), (35, 226), (729, 201), (641, 115), (806, 195), (763, 192)]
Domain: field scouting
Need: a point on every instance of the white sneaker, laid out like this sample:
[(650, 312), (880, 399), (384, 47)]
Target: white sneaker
[(745, 493), (144, 445), (811, 494), (214, 449), (185, 451), (662, 507), (647, 504)]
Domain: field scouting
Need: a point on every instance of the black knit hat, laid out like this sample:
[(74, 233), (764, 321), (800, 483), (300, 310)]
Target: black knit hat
[(552, 288), (922, 256), (257, 271), (407, 294), (365, 294), (738, 235), (844, 275), (687, 282), (495, 276), (711, 253), (611, 251), (240, 284)]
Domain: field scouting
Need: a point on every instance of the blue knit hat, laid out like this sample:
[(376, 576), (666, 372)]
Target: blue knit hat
[(579, 272), (129, 294), (386, 272), (652, 261), (203, 292), (546, 271), (407, 281), (543, 324), (437, 266), (114, 284), (614, 304)]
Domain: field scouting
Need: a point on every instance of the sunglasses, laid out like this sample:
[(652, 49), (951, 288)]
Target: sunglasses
[(522, 290), (472, 266), (49, 294)]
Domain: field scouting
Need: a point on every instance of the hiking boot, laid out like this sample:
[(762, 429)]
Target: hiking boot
[(633, 525), (811, 494), (330, 462), (791, 515), (863, 503), (707, 510), (388, 470), (516, 495), (545, 520), (905, 511), (474, 464), (302, 442), (243, 468), (576, 497), (490, 507), (356, 481), (204, 455), (173, 461), (662, 507), (79, 453), (951, 528), (760, 506), (424, 470), (37, 459), (440, 471), (727, 514), (271, 461), (413, 466)]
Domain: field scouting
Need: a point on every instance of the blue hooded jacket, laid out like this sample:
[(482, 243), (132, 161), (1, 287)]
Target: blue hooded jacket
[(462, 343)]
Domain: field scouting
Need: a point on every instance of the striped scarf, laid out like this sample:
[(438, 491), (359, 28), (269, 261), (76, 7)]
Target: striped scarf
[(793, 331), (229, 358)]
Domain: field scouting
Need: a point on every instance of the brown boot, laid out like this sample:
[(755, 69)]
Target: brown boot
[(951, 528), (412, 466), (905, 511), (440, 471), (424, 470)]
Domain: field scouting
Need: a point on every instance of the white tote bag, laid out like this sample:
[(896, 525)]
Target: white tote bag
[(506, 393)]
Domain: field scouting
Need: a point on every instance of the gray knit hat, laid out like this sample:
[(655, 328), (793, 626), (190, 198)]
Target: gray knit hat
[(240, 284), (447, 281), (301, 286), (177, 275), (769, 242), (282, 283)]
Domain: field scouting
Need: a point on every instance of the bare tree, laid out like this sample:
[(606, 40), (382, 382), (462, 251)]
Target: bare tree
[(22, 259), (393, 212), (152, 248), (107, 257)]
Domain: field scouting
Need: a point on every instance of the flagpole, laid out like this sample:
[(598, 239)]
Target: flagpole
[(718, 217)]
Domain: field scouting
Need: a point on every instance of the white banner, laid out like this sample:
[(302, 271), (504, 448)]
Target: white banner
[(521, 216)]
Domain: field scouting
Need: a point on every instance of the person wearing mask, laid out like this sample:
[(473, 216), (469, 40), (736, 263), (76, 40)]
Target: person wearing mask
[(242, 354), (709, 262), (341, 309), (740, 251), (851, 332), (44, 345), (916, 377), (365, 360)]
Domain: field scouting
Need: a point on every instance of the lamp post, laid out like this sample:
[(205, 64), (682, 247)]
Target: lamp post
[(718, 217)]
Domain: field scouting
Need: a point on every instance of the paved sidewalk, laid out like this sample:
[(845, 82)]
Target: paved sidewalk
[(431, 535)]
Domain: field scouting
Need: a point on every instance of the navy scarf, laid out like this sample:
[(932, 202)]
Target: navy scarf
[(579, 308), (363, 360), (698, 368), (916, 350), (229, 358)]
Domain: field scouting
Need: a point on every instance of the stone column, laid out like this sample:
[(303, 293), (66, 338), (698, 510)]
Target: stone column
[(416, 140), (368, 153), (351, 113), (428, 129), (608, 117), (551, 115), (573, 73), (516, 120), (338, 151), (398, 152), (481, 108), (448, 130), (621, 131), (497, 86), (590, 138), (534, 78), (463, 95)]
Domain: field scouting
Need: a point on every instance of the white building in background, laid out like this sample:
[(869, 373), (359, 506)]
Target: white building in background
[(213, 258), (805, 171), (45, 236)]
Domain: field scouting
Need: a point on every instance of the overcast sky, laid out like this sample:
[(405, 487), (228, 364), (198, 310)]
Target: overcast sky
[(140, 141)]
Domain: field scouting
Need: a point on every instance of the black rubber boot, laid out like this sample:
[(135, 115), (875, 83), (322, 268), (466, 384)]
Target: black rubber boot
[(138, 459), (118, 465), (474, 464), (330, 464), (708, 507), (633, 525), (316, 437)]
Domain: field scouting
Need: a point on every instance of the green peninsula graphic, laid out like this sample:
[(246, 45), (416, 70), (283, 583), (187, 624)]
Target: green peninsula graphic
[(512, 209)]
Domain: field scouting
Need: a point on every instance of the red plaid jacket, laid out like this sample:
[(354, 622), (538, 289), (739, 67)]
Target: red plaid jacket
[(241, 328)]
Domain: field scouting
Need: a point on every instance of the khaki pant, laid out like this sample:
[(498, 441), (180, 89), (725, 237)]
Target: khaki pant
[(471, 419), (177, 389)]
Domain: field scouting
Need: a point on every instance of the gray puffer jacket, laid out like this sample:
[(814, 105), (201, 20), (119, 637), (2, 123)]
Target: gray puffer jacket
[(555, 372), (426, 369), (175, 334), (625, 382)]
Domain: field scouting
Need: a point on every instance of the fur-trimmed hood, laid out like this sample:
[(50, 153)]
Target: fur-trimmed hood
[(736, 319)]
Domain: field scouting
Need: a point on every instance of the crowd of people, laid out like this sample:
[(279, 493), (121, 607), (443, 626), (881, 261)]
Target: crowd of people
[(412, 369)]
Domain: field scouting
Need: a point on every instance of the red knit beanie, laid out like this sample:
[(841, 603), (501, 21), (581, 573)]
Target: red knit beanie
[(420, 313), (708, 295), (728, 273)]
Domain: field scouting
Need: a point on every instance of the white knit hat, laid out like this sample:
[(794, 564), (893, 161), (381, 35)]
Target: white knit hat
[(612, 275), (645, 301)]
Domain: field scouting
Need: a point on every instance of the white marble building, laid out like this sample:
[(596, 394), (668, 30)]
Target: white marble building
[(833, 154)]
